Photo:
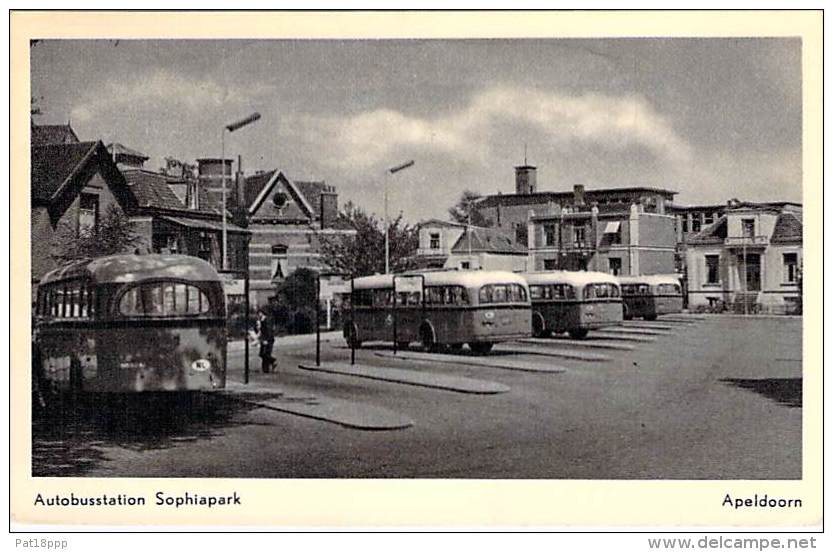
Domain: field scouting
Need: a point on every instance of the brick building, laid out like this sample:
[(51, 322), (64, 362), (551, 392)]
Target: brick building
[(286, 219)]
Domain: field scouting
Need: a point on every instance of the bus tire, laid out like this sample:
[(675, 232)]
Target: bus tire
[(455, 347), (650, 317), (428, 338), (350, 335), (481, 348), (539, 328), (402, 345), (578, 333)]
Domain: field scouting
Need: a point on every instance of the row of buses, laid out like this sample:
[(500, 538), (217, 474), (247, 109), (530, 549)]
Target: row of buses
[(135, 323), (481, 308)]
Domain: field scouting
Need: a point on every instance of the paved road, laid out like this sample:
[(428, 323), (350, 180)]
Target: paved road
[(719, 398)]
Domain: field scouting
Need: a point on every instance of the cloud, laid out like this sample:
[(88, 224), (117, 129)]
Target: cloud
[(476, 131), (161, 90)]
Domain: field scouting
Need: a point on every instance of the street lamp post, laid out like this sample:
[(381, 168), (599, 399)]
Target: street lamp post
[(231, 128), (391, 172)]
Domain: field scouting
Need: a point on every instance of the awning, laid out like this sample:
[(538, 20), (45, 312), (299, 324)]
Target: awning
[(200, 224), (612, 227)]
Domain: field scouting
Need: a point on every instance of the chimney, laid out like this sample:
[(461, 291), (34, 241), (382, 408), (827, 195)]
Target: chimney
[(525, 179), (328, 206), (578, 194)]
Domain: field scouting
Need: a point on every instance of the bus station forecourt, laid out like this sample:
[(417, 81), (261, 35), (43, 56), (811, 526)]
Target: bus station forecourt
[(680, 397)]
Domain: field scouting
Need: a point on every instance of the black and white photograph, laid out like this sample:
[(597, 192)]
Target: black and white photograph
[(417, 258)]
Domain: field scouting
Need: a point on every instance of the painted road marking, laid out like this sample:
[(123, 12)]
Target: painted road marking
[(354, 415), (649, 325), (636, 331), (555, 352), (482, 361), (622, 337), (587, 343), (410, 377)]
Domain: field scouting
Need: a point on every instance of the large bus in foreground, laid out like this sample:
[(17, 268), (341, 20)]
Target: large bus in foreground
[(474, 307), (573, 302), (128, 324), (650, 296)]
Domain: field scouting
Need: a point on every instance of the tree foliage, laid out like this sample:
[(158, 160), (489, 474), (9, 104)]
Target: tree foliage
[(364, 253), (466, 205), (113, 234)]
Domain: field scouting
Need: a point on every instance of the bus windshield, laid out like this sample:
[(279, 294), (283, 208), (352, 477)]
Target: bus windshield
[(163, 299), (599, 291), (502, 293)]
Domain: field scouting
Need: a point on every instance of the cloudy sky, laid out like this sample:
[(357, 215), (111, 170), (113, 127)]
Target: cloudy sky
[(710, 118)]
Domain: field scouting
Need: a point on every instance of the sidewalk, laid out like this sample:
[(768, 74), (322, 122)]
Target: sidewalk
[(290, 340)]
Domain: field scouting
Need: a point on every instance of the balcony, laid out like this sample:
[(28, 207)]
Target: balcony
[(746, 241)]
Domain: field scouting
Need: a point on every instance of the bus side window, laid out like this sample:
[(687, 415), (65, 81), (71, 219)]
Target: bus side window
[(485, 294), (536, 292)]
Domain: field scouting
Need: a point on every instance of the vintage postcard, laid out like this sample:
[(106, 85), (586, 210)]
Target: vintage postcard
[(416, 268)]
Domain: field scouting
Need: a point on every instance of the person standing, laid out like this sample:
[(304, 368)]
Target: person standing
[(266, 335)]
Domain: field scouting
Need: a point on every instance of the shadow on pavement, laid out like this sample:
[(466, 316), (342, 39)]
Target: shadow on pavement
[(70, 437), (786, 391)]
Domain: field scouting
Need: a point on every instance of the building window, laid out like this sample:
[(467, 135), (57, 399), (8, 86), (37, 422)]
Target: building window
[(712, 269), (684, 224), (549, 234), (579, 236), (708, 218), (615, 266), (748, 228), (549, 264), (279, 249), (166, 243), (435, 240), (520, 233), (465, 265), (790, 268), (88, 214), (695, 223)]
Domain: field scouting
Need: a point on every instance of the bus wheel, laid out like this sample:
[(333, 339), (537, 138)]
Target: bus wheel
[(480, 348), (650, 317), (538, 329), (402, 345), (578, 333), (456, 347)]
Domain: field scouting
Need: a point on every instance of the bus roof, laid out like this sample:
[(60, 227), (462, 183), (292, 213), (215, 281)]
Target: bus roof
[(134, 268), (651, 280), (465, 278), (575, 278)]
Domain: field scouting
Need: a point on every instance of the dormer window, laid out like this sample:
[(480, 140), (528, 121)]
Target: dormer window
[(748, 226), (435, 240)]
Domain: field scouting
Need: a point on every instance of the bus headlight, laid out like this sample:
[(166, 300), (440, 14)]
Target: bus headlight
[(200, 365)]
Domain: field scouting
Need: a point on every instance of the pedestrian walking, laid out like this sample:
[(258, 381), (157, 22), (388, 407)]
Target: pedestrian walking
[(266, 335)]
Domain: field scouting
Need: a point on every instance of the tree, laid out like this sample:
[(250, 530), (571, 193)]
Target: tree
[(466, 205), (364, 253), (293, 307), (113, 234)]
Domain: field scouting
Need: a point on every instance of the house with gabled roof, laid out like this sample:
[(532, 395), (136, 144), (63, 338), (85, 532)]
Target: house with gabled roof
[(747, 260), (72, 185), (177, 227), (286, 219), (447, 244)]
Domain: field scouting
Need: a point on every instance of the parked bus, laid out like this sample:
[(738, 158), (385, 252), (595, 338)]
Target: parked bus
[(130, 323), (650, 296), (477, 307), (573, 302)]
